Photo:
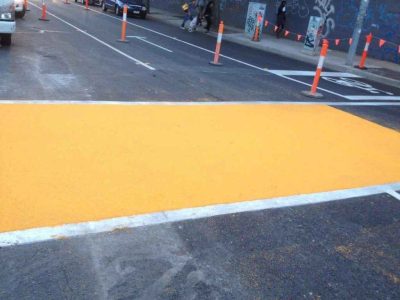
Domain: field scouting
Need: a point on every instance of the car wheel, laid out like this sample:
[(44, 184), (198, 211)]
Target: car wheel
[(117, 10), (20, 14), (6, 40), (103, 6), (143, 16)]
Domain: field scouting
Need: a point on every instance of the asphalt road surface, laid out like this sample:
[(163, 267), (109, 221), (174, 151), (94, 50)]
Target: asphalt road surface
[(346, 250), (250, 200), (76, 56)]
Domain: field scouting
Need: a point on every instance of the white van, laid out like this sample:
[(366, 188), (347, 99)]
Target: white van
[(7, 21)]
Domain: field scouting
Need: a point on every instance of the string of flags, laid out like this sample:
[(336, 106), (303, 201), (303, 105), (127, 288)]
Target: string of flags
[(337, 42)]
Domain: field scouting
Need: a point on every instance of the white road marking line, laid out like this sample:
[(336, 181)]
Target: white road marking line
[(352, 83), (224, 56), (373, 97), (178, 40), (199, 103), (143, 39), (136, 36), (35, 235), (138, 62), (41, 31), (394, 194), (309, 84), (312, 73), (211, 51)]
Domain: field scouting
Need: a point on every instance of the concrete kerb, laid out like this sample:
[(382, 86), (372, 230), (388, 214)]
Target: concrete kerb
[(166, 17)]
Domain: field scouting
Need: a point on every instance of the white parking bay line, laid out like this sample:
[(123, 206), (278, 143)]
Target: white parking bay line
[(143, 39), (312, 73), (376, 98), (138, 62)]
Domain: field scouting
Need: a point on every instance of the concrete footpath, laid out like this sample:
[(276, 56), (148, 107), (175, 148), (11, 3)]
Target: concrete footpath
[(378, 71)]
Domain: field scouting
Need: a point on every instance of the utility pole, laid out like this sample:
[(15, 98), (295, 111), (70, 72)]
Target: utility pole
[(357, 32)]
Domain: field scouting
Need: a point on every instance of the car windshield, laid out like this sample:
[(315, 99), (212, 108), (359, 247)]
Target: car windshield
[(137, 2)]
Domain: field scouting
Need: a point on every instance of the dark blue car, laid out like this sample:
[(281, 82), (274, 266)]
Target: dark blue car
[(135, 7)]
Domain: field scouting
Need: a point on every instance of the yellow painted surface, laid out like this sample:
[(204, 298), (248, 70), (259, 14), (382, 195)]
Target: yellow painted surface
[(72, 163)]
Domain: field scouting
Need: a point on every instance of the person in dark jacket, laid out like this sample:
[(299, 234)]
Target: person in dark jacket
[(208, 13), (200, 4), (281, 19)]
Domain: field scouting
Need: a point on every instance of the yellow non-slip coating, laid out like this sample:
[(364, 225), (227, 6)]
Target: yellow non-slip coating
[(72, 163)]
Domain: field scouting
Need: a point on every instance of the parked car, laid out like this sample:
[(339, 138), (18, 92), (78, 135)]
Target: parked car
[(91, 2), (7, 21), (19, 8), (135, 7)]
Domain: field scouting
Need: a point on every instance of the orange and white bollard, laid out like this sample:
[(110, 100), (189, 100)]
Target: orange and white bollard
[(26, 5), (44, 12), (216, 62), (313, 92), (87, 4), (256, 36), (123, 28), (365, 52)]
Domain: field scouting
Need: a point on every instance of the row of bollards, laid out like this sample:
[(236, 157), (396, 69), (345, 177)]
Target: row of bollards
[(216, 61)]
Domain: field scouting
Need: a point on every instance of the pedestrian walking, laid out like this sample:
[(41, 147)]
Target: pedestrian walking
[(190, 12), (208, 13), (281, 19), (200, 4)]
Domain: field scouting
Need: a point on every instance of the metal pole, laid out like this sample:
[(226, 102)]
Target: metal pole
[(357, 32)]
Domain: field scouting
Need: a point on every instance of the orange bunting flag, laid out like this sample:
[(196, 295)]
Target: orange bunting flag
[(275, 28), (286, 33), (381, 42), (337, 42), (350, 41), (298, 37), (266, 24)]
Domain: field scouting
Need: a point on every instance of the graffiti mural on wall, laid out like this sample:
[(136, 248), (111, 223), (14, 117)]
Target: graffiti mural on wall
[(383, 19), (300, 8), (296, 7), (326, 11)]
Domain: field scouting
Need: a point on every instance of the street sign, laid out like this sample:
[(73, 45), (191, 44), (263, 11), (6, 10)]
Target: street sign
[(254, 12)]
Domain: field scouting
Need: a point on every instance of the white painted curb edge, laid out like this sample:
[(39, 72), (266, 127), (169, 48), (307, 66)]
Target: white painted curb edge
[(35, 235)]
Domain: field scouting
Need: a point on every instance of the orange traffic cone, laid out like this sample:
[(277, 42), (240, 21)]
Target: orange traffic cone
[(44, 12)]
